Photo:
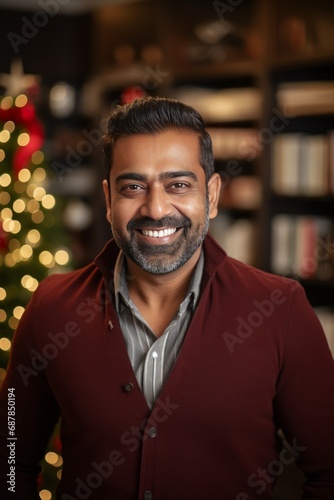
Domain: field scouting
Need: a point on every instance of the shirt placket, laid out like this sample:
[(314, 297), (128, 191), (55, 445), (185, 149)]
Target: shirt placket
[(153, 372)]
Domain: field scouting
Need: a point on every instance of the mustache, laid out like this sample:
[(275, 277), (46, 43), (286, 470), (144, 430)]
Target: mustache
[(165, 222)]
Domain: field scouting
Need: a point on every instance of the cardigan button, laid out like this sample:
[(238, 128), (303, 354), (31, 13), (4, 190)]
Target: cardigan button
[(152, 432), (148, 495), (128, 387)]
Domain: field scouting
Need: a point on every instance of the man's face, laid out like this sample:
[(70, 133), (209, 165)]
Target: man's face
[(159, 205)]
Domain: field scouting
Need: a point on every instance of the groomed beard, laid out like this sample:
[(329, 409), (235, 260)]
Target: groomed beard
[(163, 259)]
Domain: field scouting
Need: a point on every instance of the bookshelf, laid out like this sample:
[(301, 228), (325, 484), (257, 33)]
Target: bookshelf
[(268, 99), (269, 106), (301, 171), (261, 73), (232, 114)]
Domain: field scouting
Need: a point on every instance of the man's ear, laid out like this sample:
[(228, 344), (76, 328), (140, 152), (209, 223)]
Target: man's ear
[(214, 186), (107, 197)]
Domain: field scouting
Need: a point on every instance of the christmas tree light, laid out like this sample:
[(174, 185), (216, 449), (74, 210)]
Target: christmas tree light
[(30, 229), (29, 226)]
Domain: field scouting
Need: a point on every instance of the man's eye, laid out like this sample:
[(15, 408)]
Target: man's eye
[(132, 190), (132, 187), (179, 185)]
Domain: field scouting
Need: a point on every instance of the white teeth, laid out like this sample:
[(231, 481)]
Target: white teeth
[(159, 234)]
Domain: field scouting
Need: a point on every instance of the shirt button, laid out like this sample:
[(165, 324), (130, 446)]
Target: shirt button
[(128, 387), (148, 495), (152, 432)]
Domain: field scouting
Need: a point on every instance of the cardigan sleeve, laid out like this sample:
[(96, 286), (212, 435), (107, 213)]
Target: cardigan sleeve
[(304, 402), (28, 413)]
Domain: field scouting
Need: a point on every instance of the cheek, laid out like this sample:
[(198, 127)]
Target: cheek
[(194, 208), (121, 212)]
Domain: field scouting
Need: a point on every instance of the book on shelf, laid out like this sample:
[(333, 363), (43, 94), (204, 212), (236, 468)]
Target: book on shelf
[(226, 105), (303, 247), (285, 163), (242, 193), (303, 165), (236, 236), (281, 256), (235, 143), (331, 161), (306, 98)]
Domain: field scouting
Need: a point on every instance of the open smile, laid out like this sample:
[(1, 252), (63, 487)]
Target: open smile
[(159, 233)]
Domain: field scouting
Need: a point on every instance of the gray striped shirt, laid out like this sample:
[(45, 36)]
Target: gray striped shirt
[(153, 358)]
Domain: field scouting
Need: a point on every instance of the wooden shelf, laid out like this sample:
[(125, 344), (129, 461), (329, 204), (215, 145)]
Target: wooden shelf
[(251, 68), (231, 69), (301, 61), (307, 205)]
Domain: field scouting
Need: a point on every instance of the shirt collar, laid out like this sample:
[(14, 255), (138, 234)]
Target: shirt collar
[(121, 288)]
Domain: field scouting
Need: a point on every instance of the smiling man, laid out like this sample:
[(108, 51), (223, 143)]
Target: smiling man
[(159, 181), (159, 206), (171, 365)]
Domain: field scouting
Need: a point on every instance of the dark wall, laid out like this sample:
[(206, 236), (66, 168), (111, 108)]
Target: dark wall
[(55, 47)]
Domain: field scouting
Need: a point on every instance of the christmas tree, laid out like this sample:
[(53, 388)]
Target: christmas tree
[(31, 234)]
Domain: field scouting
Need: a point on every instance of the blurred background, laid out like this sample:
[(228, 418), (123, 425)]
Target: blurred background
[(261, 72)]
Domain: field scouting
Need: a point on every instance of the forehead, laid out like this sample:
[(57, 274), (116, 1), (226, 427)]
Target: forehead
[(156, 152)]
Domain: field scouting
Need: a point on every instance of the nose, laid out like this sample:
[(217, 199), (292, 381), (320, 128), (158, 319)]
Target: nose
[(156, 203)]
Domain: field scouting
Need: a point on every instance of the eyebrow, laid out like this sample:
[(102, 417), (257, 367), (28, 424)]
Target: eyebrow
[(165, 175)]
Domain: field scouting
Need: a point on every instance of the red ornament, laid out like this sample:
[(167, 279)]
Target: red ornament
[(40, 481), (57, 443), (3, 239), (132, 93)]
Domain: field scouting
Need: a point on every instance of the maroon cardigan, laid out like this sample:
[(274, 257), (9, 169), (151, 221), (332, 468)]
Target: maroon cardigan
[(254, 359)]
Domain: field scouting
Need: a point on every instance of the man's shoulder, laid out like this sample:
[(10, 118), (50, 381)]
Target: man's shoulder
[(70, 281), (237, 275), (251, 277), (83, 281)]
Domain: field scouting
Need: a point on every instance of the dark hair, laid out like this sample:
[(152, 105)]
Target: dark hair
[(153, 115)]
